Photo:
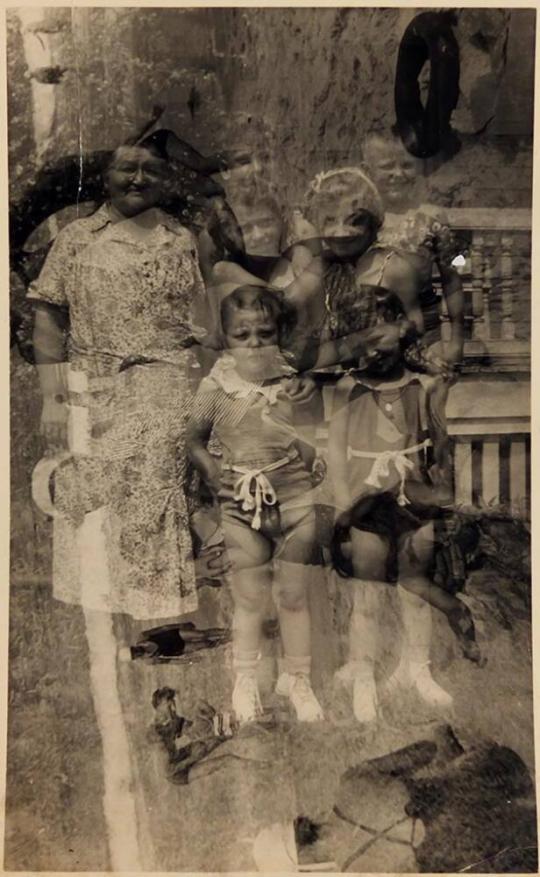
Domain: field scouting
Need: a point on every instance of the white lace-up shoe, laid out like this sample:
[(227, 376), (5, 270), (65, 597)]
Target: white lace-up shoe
[(365, 701), (297, 687), (246, 701), (418, 676)]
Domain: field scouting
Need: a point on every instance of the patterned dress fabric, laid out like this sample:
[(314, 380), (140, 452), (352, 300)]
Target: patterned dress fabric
[(121, 534)]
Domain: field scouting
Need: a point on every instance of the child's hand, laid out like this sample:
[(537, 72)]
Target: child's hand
[(454, 353), (54, 419), (421, 358), (441, 480), (318, 471), (438, 367), (299, 389)]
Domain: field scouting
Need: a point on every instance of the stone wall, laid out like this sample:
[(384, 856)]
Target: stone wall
[(302, 86)]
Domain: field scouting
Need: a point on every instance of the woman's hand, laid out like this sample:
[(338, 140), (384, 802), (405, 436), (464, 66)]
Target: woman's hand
[(300, 229), (212, 563), (210, 471), (54, 419)]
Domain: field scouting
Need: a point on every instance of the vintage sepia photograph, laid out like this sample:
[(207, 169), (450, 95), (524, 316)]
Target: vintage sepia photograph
[(270, 439)]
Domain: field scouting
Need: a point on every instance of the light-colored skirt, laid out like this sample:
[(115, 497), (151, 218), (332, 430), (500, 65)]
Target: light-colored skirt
[(121, 539)]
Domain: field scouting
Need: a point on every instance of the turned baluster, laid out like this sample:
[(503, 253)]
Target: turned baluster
[(508, 328), (489, 250), (477, 282), (446, 329)]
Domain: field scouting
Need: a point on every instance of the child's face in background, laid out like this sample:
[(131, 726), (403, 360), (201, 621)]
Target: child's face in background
[(261, 230), (393, 170), (345, 227)]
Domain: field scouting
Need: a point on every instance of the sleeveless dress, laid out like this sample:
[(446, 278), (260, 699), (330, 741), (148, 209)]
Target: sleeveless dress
[(388, 448)]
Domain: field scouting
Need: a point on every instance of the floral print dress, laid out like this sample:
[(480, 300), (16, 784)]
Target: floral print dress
[(121, 533)]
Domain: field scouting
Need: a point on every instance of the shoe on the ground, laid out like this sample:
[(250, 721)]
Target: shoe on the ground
[(361, 680), (365, 701), (462, 624), (418, 676), (297, 687), (246, 701)]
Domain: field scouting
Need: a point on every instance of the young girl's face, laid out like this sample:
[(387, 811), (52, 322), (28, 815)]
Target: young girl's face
[(383, 350), (252, 337), (251, 329)]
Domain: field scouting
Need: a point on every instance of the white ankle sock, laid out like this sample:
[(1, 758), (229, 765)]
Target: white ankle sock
[(293, 664), (245, 661)]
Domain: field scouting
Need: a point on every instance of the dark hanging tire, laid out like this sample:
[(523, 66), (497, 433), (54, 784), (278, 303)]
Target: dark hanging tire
[(425, 131)]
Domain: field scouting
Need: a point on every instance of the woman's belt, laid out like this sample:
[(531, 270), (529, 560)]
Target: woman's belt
[(127, 360), (381, 465)]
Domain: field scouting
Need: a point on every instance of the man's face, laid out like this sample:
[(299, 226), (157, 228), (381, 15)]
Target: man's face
[(393, 170)]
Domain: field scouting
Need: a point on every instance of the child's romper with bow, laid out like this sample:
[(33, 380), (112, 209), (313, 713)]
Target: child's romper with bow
[(265, 483)]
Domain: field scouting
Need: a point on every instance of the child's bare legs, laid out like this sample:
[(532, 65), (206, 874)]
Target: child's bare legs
[(369, 557), (291, 583), (250, 557), (250, 591), (414, 590), (414, 562), (292, 574)]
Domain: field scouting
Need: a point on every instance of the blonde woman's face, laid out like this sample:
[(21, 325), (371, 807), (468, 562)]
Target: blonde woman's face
[(342, 222)]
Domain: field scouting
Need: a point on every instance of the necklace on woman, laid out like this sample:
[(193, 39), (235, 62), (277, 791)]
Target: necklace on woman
[(387, 404)]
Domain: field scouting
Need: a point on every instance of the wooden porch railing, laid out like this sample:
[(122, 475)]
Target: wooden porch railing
[(496, 276), (489, 406)]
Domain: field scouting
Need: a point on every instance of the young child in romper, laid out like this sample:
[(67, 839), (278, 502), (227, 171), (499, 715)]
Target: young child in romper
[(263, 486), (385, 419)]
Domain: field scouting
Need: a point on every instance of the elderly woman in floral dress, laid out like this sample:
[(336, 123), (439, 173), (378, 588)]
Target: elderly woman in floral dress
[(123, 284)]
